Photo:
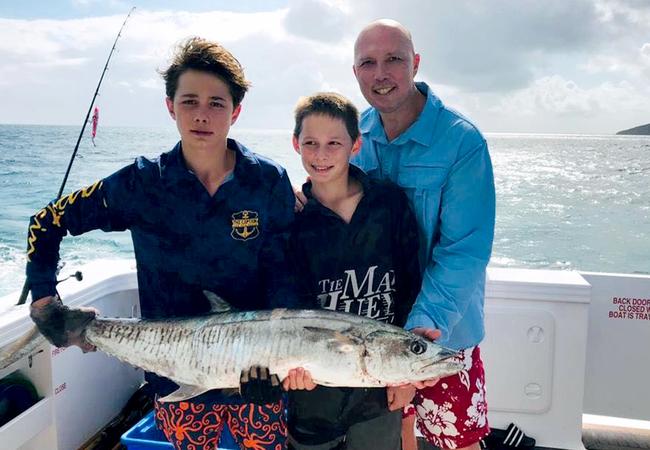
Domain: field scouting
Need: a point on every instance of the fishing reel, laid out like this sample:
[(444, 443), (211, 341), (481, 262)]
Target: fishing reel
[(77, 275)]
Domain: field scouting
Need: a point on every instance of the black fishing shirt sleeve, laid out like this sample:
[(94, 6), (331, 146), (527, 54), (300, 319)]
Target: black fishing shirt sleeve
[(76, 213)]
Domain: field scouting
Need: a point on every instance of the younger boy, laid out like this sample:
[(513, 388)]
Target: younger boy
[(207, 215), (354, 247)]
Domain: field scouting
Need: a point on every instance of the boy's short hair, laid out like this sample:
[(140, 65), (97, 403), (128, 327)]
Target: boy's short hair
[(330, 104), (206, 56)]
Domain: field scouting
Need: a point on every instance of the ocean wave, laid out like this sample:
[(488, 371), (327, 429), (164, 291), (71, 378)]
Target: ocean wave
[(12, 268), (75, 252)]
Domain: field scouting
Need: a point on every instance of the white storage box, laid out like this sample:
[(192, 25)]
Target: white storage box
[(534, 353)]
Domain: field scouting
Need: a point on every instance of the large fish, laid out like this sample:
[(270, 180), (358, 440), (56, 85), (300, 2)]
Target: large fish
[(209, 352)]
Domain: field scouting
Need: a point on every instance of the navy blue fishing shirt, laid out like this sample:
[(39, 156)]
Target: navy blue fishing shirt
[(185, 241)]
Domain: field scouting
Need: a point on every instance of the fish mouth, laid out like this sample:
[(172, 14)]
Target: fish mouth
[(446, 353), (444, 363)]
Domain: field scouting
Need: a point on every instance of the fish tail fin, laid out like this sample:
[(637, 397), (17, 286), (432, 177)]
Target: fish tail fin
[(21, 347)]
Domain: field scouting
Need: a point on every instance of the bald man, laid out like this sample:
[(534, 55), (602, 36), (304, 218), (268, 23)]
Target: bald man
[(441, 160)]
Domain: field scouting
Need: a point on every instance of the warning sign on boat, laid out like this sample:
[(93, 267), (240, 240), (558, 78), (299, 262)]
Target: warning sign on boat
[(630, 308)]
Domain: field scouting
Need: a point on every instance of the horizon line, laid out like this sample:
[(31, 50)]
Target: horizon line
[(289, 130)]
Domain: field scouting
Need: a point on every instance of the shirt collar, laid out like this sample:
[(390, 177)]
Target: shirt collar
[(247, 166), (174, 170), (354, 172), (372, 126), (419, 131)]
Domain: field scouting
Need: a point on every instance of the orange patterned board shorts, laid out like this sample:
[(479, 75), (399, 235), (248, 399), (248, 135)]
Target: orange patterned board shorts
[(199, 426)]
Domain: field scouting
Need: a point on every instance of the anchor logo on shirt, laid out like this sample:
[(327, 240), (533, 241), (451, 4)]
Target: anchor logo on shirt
[(245, 225)]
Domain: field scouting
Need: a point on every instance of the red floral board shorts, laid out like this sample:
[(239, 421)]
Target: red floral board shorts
[(198, 426), (453, 413)]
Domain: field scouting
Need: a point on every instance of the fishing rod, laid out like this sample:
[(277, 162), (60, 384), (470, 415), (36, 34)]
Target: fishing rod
[(25, 291)]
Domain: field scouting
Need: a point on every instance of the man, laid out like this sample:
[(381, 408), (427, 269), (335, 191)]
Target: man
[(441, 160)]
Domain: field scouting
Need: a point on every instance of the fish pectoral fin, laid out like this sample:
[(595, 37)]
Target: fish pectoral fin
[(217, 304), (339, 341), (184, 392)]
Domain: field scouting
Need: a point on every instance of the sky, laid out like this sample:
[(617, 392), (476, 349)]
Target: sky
[(521, 66)]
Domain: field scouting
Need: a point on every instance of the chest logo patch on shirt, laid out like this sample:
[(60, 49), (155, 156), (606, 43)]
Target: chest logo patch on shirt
[(245, 225), (370, 294)]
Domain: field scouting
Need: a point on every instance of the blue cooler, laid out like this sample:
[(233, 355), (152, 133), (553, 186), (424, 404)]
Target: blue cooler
[(145, 435)]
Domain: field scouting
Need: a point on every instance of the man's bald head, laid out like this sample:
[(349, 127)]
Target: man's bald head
[(385, 65), (385, 27)]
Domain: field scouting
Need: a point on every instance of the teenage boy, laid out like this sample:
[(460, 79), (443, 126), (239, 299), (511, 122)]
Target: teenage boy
[(354, 247), (207, 215)]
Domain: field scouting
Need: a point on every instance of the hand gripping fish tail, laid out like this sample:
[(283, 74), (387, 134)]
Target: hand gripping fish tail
[(56, 323), (61, 325)]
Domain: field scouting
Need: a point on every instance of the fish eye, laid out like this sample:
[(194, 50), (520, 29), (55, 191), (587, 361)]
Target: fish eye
[(418, 347)]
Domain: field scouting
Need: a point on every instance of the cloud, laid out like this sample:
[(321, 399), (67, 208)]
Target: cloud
[(524, 65), (556, 104), (58, 62), (112, 3), (152, 83), (634, 63), (553, 95), (43, 51), (319, 20), (512, 65), (491, 46), (281, 65), (623, 14)]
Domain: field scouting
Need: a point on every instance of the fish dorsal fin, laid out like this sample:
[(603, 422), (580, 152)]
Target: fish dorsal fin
[(184, 392), (217, 304), (342, 342)]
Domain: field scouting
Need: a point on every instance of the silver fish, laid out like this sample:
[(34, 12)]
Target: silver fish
[(209, 352)]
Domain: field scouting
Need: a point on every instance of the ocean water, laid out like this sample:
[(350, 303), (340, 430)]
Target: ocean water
[(566, 202)]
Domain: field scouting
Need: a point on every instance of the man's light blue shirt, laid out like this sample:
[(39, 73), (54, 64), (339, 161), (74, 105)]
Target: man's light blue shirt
[(443, 164)]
